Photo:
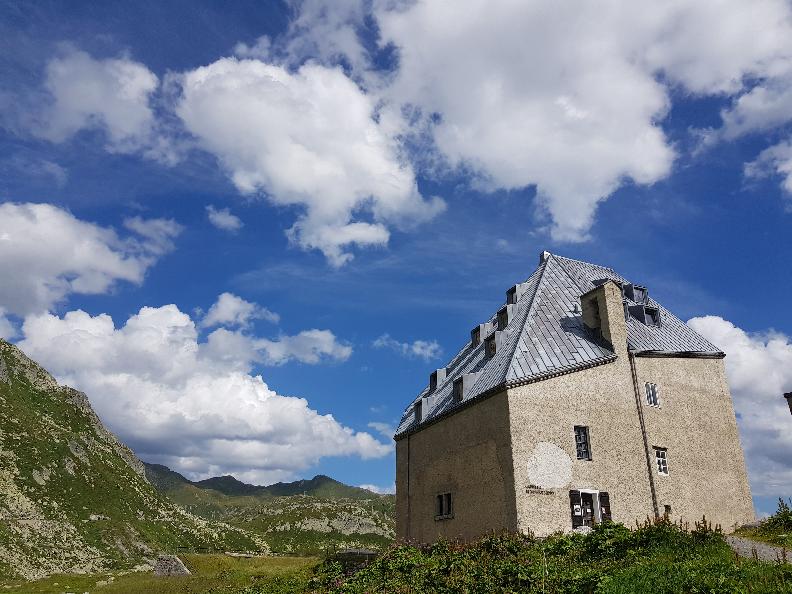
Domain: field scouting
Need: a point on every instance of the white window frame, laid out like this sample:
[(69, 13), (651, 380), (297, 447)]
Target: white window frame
[(444, 506), (652, 395), (661, 460)]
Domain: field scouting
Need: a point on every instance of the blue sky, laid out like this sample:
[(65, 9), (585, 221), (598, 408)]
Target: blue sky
[(382, 177)]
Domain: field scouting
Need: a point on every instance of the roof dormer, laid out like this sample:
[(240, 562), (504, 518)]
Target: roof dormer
[(463, 385), (505, 314), (636, 293), (479, 333), (514, 294), (436, 377), (493, 343)]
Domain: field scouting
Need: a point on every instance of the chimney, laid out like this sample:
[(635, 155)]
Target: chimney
[(788, 397), (603, 312)]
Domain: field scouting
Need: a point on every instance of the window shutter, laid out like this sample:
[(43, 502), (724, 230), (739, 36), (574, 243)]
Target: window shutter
[(576, 508), (605, 510)]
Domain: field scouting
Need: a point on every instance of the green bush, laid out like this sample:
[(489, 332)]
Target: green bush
[(658, 556)]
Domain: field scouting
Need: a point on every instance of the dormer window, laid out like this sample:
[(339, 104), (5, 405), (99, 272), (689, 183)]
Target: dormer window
[(504, 316), (418, 409), (492, 344), (514, 294), (636, 293), (652, 316), (436, 377), (458, 390), (475, 335)]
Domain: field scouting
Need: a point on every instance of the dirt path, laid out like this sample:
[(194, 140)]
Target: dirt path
[(745, 547)]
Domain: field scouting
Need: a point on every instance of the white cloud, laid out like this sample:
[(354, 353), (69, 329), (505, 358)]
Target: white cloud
[(223, 219), (422, 349), (231, 310), (50, 254), (176, 401), (7, 329), (390, 490), (385, 429), (759, 367), (309, 346), (776, 160), (306, 138), (112, 95)]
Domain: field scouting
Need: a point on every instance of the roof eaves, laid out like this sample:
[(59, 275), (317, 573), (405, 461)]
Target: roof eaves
[(505, 386)]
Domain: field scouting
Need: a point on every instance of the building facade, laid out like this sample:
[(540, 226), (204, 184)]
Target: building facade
[(581, 399)]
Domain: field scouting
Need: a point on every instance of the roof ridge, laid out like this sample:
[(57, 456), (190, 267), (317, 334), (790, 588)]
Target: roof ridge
[(584, 262), (569, 276)]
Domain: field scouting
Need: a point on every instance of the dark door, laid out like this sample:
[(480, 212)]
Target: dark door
[(587, 505)]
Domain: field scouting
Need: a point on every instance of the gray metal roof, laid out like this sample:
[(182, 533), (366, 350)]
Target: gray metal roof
[(546, 335)]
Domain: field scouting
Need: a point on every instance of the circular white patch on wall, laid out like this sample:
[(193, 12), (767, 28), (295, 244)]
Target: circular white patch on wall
[(549, 467)]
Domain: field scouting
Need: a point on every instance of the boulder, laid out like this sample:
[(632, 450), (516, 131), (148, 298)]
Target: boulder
[(168, 565)]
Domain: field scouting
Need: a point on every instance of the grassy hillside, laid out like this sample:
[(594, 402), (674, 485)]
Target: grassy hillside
[(72, 497), (303, 517)]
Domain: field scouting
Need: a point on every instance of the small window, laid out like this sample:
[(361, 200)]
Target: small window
[(582, 445), (458, 390), (491, 346), (652, 395), (475, 336), (503, 317), (433, 381), (444, 508), (652, 316), (667, 511), (661, 454), (418, 406)]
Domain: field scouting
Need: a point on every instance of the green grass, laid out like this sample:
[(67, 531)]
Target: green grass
[(776, 530), (211, 574), (657, 558)]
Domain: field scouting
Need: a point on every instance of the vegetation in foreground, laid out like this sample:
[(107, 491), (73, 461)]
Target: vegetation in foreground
[(211, 574), (658, 557), (776, 530)]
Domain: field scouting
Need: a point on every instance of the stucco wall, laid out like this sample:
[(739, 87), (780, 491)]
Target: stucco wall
[(601, 398), (468, 454), (695, 422)]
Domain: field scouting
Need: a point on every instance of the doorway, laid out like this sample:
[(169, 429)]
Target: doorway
[(588, 507)]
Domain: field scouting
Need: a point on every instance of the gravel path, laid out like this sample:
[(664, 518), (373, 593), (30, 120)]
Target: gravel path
[(745, 547)]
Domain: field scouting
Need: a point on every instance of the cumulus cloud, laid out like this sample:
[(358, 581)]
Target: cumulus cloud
[(112, 95), (307, 138), (7, 329), (177, 401), (385, 429), (49, 254), (776, 160), (421, 349), (309, 346), (223, 219), (759, 367), (231, 310), (389, 490)]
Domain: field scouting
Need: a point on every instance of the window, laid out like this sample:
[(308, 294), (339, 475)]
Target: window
[(667, 510), (652, 316), (582, 445), (458, 390), (661, 455), (444, 508), (503, 318), (490, 346), (418, 411), (652, 395), (475, 335)]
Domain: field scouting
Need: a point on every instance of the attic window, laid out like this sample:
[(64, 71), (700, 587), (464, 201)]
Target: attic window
[(636, 293), (652, 316), (504, 316), (418, 408), (475, 335), (458, 390), (491, 346), (436, 377)]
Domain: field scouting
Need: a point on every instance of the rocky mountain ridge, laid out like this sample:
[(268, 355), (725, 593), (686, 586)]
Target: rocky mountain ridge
[(73, 498)]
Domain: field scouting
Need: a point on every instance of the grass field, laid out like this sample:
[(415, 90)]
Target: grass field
[(211, 574)]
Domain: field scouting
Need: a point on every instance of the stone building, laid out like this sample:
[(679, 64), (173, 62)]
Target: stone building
[(581, 399)]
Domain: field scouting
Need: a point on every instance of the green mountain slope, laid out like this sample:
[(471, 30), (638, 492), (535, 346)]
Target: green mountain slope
[(303, 517), (73, 499)]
